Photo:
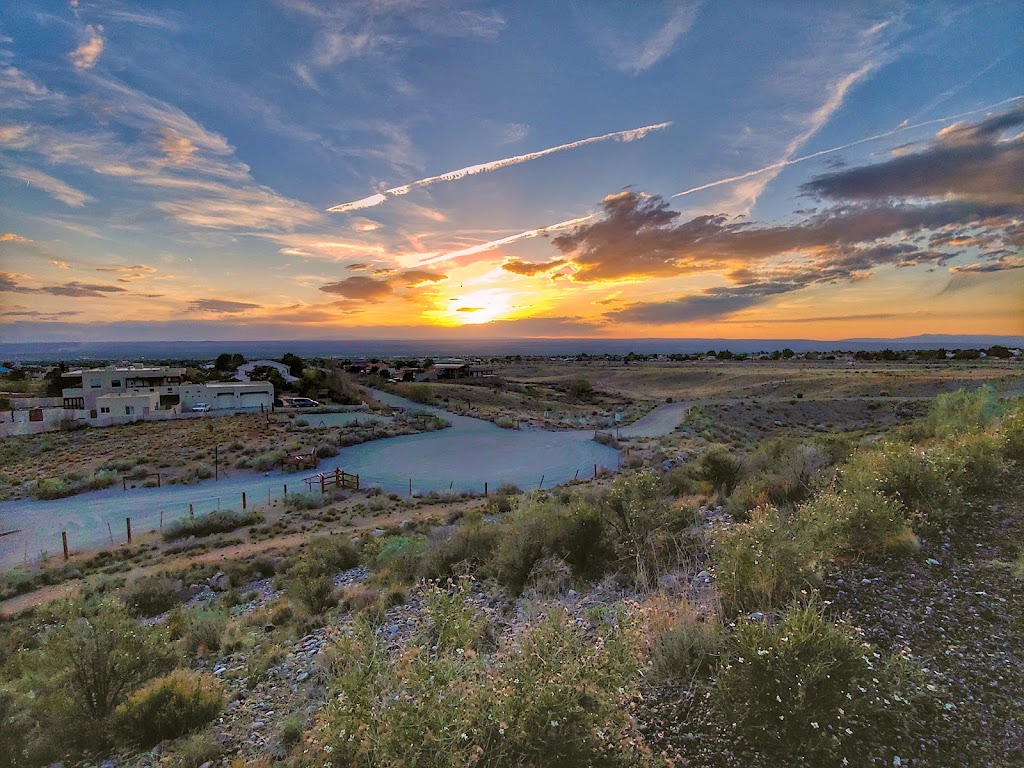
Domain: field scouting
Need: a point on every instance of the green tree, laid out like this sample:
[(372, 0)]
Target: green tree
[(54, 380), (999, 351), (295, 364)]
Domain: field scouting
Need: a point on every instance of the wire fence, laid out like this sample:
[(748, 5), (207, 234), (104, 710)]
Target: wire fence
[(97, 524)]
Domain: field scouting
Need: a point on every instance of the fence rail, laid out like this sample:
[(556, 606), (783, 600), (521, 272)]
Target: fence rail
[(339, 479)]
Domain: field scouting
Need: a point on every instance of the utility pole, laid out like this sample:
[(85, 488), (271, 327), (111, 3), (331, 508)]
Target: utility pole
[(216, 463)]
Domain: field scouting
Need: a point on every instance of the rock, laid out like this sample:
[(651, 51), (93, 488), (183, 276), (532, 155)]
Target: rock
[(572, 594), (268, 628), (207, 764), (703, 577), (378, 532), (756, 616), (302, 677), (932, 561), (220, 582), (669, 581)]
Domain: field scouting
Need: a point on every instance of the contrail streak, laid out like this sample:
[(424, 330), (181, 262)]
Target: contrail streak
[(505, 240), (876, 137), (494, 165)]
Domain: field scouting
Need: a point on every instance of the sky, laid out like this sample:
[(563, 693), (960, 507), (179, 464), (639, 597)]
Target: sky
[(295, 169)]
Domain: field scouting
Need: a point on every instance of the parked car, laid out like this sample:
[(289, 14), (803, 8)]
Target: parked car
[(304, 402), (200, 407)]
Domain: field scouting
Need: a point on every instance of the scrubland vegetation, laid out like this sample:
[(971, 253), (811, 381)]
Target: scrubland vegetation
[(743, 607)]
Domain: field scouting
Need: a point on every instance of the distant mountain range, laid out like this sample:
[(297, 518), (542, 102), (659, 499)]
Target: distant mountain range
[(391, 348)]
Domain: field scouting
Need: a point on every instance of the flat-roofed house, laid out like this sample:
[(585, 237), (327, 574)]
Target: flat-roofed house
[(86, 386)]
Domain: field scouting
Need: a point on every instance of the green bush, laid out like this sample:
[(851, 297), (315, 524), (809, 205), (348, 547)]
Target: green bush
[(959, 413), (269, 460), (763, 563), (805, 690), (96, 655), (203, 631), (720, 468), (1012, 434), (555, 694), (207, 525), (472, 543), (150, 596), (52, 488), (312, 587), (168, 707), (857, 523)]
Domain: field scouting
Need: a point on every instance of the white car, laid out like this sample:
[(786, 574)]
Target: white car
[(200, 407)]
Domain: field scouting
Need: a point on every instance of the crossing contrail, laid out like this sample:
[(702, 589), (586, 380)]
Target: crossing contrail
[(876, 137), (505, 240), (471, 170)]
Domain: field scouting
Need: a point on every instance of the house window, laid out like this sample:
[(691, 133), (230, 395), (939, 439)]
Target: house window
[(95, 383), (129, 410), (104, 409), (115, 383)]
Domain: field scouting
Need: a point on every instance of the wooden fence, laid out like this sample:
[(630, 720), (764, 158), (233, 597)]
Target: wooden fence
[(338, 479)]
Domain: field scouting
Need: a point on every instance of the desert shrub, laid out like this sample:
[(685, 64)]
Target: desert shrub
[(763, 563), (935, 483), (1012, 434), (95, 656), (52, 488), (326, 451), (552, 695), (720, 468), (15, 725), (207, 525), (581, 389), (203, 631), (858, 523), (641, 531), (298, 502), (505, 423), (471, 543), (290, 732), (680, 481), (269, 460), (806, 690), (312, 587), (101, 479), (195, 751), (150, 596), (399, 556), (168, 707), (959, 413), (688, 649)]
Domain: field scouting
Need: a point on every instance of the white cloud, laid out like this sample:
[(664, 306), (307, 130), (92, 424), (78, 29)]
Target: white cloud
[(54, 187), (494, 165), (631, 53), (86, 55)]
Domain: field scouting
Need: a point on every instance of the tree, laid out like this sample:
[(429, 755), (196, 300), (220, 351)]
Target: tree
[(999, 351), (266, 373), (294, 363), (719, 468), (788, 353), (54, 381)]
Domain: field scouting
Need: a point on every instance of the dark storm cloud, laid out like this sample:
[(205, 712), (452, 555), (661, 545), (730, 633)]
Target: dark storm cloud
[(968, 161)]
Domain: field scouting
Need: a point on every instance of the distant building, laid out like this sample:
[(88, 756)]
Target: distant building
[(229, 395)]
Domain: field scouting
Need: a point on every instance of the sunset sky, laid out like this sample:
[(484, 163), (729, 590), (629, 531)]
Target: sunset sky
[(431, 169)]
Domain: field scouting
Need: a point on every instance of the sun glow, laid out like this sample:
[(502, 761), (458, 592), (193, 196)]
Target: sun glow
[(477, 307)]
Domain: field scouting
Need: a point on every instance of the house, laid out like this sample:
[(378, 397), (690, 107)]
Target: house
[(85, 387), (231, 395), (133, 392), (454, 370)]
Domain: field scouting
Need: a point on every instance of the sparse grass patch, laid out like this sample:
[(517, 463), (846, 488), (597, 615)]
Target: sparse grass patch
[(168, 707), (207, 525)]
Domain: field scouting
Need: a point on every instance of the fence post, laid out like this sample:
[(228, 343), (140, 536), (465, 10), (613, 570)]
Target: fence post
[(323, 485), (243, 499), (64, 541), (357, 482), (485, 488), (128, 525), (157, 479), (286, 490), (191, 512), (541, 483), (577, 475), (161, 519), (337, 475), (595, 471), (111, 532), (124, 483)]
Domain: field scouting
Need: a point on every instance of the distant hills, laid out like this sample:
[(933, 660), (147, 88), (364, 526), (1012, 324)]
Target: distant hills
[(390, 348)]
